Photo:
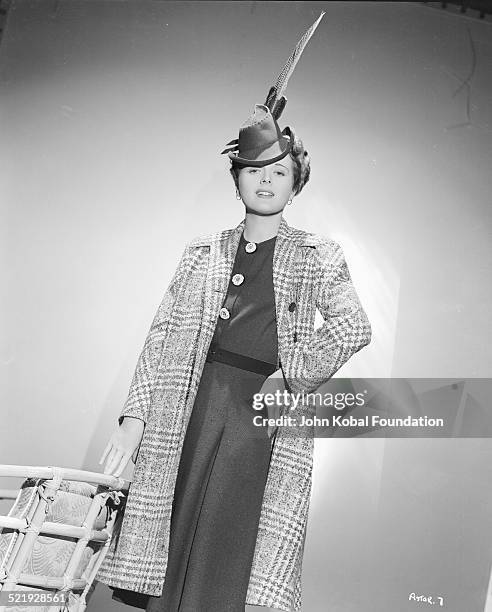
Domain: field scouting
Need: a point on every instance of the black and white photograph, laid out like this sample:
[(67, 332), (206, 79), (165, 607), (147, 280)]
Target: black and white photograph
[(246, 306)]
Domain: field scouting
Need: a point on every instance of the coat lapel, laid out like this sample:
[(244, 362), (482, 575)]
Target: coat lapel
[(222, 252), (284, 257)]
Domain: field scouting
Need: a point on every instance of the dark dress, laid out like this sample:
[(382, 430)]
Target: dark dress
[(225, 457)]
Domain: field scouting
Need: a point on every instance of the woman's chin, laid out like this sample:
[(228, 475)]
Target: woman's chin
[(264, 208)]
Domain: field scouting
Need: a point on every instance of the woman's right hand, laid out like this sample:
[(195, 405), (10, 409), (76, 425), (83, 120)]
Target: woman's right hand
[(122, 445)]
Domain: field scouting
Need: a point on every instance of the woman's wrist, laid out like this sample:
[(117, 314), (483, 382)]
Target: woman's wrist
[(132, 423)]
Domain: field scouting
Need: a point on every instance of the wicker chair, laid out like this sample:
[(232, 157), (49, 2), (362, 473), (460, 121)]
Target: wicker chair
[(55, 536)]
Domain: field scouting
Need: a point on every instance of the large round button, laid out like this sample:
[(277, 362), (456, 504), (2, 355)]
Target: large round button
[(224, 313), (250, 247), (292, 306), (237, 279)]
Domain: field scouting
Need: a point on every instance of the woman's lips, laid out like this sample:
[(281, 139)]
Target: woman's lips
[(264, 194)]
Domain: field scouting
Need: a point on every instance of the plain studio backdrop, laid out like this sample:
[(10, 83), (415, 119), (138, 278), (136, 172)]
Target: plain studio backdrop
[(113, 115)]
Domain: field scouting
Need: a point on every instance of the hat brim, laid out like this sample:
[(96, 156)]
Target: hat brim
[(258, 163)]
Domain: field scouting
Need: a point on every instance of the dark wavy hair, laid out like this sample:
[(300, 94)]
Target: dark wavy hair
[(302, 166)]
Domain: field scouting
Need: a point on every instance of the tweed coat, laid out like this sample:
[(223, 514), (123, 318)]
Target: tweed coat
[(309, 270)]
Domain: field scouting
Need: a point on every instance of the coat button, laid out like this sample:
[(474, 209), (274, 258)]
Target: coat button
[(250, 247), (224, 313), (237, 279), (292, 306)]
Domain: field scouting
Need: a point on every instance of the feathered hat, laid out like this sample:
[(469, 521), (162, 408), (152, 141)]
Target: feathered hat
[(261, 142)]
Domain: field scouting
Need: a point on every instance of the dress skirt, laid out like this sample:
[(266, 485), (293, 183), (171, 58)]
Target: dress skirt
[(217, 498)]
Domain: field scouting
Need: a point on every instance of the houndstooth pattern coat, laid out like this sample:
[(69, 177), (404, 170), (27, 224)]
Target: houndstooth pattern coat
[(309, 270)]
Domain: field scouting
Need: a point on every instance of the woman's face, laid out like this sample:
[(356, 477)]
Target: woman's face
[(267, 190)]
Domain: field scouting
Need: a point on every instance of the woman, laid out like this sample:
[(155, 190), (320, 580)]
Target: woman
[(217, 510)]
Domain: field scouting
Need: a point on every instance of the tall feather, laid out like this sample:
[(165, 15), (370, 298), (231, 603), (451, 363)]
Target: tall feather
[(288, 69), (284, 76)]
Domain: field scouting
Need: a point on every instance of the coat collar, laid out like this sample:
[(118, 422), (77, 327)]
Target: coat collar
[(285, 232)]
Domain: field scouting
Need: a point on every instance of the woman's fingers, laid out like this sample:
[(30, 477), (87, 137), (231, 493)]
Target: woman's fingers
[(122, 444), (113, 460), (110, 461), (106, 451), (116, 461), (122, 464)]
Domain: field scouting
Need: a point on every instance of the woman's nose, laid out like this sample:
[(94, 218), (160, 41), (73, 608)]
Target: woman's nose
[(265, 178)]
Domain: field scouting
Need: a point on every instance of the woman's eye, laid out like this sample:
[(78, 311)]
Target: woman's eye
[(253, 170), (280, 172)]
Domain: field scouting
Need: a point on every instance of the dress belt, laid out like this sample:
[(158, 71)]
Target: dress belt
[(241, 361)]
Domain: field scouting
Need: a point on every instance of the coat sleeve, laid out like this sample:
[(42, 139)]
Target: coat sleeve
[(139, 396), (345, 330)]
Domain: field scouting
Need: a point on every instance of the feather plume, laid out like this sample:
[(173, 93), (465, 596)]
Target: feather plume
[(274, 98), (279, 107)]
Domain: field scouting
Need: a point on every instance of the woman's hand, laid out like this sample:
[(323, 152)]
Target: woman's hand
[(122, 445)]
